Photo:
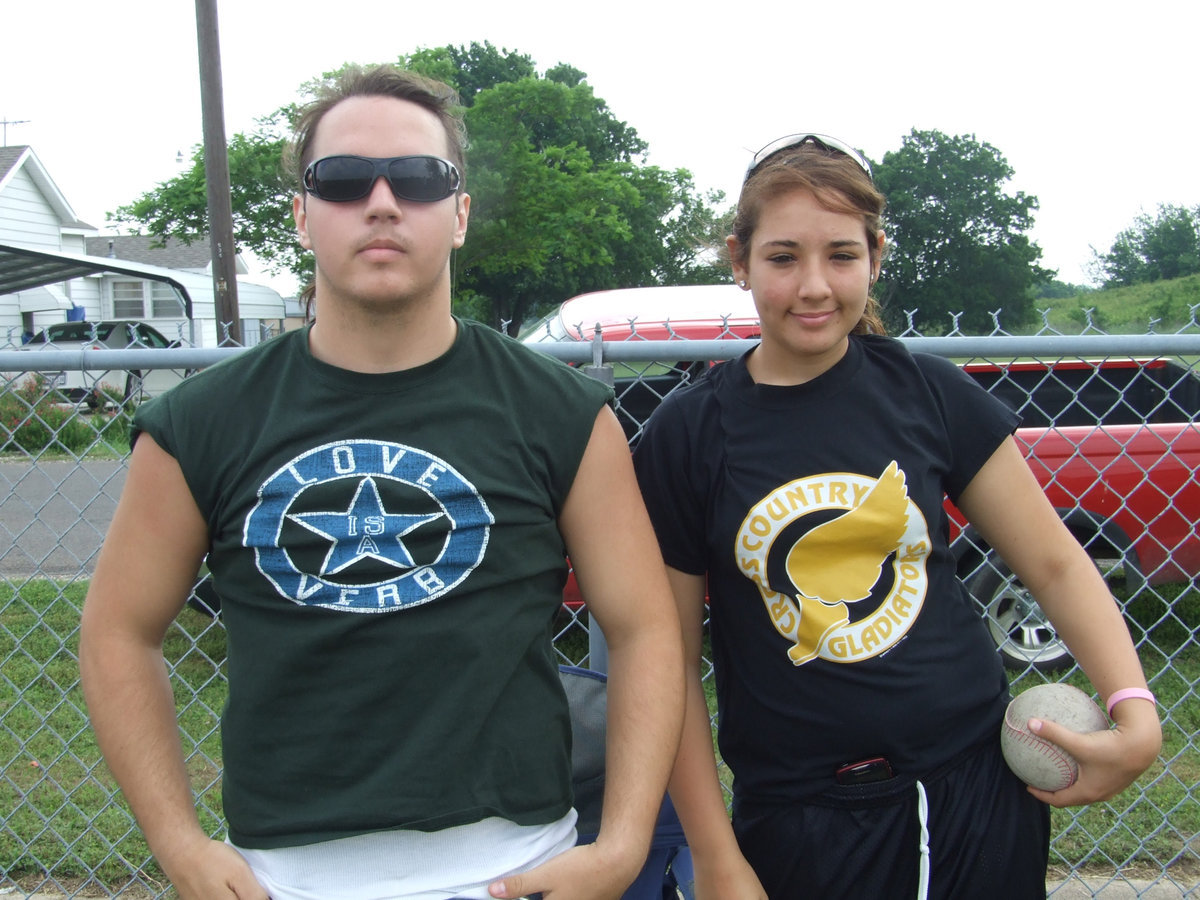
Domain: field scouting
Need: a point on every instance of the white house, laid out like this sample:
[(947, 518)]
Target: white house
[(53, 266)]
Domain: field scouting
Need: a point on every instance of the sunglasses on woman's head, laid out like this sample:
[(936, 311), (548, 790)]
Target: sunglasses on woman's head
[(796, 140), (342, 179)]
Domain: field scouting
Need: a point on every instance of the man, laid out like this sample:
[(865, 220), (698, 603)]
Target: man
[(384, 499)]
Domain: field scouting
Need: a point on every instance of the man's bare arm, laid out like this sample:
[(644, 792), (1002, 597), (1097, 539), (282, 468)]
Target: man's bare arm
[(620, 571), (150, 558)]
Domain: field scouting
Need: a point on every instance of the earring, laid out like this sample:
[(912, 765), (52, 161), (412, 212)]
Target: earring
[(742, 284)]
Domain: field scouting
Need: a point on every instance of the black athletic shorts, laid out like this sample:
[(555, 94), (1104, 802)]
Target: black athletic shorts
[(987, 837)]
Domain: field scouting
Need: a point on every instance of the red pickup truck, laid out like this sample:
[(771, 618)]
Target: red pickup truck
[(1114, 443), (1116, 447)]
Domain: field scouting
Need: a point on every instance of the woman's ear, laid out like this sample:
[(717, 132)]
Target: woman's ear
[(741, 273)]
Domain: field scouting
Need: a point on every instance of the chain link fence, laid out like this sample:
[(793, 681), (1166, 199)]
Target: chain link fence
[(1110, 431)]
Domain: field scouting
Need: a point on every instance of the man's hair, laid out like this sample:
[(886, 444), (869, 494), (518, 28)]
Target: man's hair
[(838, 183), (378, 81)]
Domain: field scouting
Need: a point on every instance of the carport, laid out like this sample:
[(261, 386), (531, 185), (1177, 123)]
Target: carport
[(37, 271), (23, 268)]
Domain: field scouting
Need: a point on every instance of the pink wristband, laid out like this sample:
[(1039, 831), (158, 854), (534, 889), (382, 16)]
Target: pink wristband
[(1127, 694)]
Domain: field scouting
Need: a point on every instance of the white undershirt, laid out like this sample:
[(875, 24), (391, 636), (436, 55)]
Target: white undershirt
[(410, 865)]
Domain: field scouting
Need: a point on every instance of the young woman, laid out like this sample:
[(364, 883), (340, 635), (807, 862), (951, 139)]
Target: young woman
[(800, 488)]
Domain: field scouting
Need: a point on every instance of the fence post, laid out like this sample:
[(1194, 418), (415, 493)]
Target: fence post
[(597, 644)]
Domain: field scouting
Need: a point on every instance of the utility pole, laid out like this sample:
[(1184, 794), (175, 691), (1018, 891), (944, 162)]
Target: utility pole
[(216, 176)]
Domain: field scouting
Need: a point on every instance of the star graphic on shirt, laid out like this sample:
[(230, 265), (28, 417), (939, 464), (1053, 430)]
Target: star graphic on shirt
[(364, 531)]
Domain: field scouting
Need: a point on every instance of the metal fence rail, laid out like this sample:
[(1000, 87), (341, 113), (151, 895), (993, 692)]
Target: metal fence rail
[(65, 828)]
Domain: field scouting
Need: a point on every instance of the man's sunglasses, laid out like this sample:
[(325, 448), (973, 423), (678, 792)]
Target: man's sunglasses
[(342, 179), (797, 140)]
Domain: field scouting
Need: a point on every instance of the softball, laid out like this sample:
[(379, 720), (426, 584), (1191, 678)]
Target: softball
[(1036, 761)]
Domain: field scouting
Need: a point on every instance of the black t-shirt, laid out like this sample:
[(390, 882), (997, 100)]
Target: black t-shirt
[(839, 628)]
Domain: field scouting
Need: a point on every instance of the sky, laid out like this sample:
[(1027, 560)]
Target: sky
[(1093, 104)]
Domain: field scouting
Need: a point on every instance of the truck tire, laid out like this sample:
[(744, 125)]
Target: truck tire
[(1024, 636)]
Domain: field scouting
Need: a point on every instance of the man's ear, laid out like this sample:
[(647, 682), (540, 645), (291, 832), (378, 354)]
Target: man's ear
[(462, 212), (300, 214)]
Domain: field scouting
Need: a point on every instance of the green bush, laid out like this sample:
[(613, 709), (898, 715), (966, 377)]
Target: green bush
[(36, 418)]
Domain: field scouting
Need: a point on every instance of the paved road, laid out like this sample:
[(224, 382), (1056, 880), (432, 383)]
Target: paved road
[(53, 515)]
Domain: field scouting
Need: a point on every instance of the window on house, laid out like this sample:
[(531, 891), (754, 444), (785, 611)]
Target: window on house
[(128, 300), (165, 303)]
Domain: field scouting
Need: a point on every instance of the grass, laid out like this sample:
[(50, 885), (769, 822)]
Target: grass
[(62, 811), (1154, 822)]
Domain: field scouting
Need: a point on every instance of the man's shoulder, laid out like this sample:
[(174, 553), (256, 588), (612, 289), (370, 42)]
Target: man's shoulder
[(236, 365), (500, 342), (216, 386), (535, 367)]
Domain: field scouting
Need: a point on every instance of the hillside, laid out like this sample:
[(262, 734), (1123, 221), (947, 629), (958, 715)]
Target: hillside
[(1165, 307)]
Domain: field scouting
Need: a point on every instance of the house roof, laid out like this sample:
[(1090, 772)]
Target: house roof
[(18, 157), (170, 253), (8, 158)]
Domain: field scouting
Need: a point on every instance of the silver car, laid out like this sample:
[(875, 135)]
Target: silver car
[(85, 386)]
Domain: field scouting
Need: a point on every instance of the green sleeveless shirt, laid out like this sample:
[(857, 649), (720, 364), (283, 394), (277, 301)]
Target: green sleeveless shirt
[(389, 564)]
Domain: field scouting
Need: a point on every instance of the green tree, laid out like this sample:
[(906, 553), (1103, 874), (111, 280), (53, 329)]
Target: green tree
[(472, 69), (561, 205), (260, 194), (562, 200), (1166, 245), (958, 240), (1058, 290)]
